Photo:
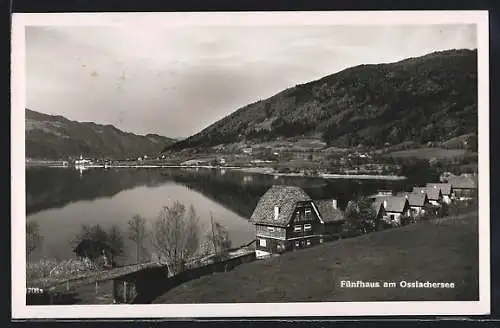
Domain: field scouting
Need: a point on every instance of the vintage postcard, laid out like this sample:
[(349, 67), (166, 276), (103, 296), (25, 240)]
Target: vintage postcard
[(270, 164)]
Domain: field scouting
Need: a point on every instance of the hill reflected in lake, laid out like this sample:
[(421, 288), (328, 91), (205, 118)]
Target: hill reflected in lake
[(49, 188), (61, 200)]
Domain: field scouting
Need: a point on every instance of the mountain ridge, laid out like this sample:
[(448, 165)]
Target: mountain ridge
[(55, 136), (427, 98)]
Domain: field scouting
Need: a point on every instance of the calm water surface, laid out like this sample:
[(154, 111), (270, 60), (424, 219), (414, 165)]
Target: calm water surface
[(61, 200)]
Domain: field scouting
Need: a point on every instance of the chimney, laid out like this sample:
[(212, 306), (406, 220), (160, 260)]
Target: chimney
[(334, 203), (276, 212)]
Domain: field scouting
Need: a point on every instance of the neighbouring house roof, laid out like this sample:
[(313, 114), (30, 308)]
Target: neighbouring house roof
[(462, 183), (285, 197), (434, 193), (445, 187), (327, 212), (415, 199), (394, 203)]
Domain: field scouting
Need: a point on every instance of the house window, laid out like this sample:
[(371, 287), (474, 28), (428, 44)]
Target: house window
[(300, 215), (297, 228), (308, 242), (308, 214), (392, 216), (270, 229), (307, 227), (297, 243), (321, 240), (262, 242)]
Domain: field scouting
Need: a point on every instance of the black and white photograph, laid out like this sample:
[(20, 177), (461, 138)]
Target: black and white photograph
[(253, 164)]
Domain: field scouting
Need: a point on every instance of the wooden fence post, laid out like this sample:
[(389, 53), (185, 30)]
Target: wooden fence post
[(124, 291)]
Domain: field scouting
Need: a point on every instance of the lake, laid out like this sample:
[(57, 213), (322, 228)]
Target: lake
[(61, 200)]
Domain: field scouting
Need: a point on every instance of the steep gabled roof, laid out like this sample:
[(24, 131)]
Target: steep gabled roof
[(394, 203), (415, 199), (327, 212), (285, 197), (462, 183), (445, 187), (434, 193)]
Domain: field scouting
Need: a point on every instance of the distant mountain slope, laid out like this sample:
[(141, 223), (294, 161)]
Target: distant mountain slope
[(428, 98), (55, 137)]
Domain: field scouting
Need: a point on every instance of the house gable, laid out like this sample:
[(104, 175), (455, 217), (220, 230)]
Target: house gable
[(305, 212)]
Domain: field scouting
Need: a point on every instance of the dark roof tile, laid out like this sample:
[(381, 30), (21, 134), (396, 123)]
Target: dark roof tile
[(327, 210), (285, 197)]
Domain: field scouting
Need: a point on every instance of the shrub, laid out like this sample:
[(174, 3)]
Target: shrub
[(405, 220)]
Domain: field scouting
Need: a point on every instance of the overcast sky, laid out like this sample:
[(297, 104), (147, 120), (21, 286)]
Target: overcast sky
[(176, 81)]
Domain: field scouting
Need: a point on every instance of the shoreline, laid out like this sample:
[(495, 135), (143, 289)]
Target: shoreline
[(253, 170)]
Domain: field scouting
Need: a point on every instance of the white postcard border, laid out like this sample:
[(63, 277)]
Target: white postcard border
[(21, 311)]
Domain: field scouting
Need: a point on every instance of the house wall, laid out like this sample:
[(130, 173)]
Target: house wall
[(417, 210), (305, 242), (270, 231), (303, 217), (464, 193), (447, 199), (270, 245), (395, 216), (316, 229), (434, 202)]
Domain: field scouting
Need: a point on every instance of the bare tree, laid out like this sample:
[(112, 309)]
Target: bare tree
[(218, 238), (175, 236), (116, 244), (33, 237), (137, 233)]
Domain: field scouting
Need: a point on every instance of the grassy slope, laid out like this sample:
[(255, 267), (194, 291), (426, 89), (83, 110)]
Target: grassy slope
[(445, 250)]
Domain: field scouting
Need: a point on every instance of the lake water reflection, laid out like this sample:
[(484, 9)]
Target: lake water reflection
[(61, 200)]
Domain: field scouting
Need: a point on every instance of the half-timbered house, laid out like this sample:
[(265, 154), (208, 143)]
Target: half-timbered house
[(286, 218)]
